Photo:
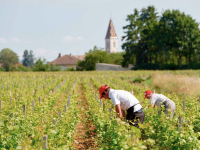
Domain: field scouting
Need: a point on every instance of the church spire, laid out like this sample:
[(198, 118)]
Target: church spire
[(111, 30)]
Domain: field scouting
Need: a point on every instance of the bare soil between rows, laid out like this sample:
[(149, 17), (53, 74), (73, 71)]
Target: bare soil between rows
[(84, 137)]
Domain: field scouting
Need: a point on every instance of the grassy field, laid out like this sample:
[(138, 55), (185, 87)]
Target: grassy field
[(65, 108)]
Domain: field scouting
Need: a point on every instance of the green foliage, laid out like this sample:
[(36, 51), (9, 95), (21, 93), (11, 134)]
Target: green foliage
[(18, 131), (2, 69), (19, 68), (149, 66), (116, 58), (139, 35), (53, 67), (70, 69), (8, 57), (96, 55), (28, 58), (41, 66), (138, 80), (172, 38), (182, 35)]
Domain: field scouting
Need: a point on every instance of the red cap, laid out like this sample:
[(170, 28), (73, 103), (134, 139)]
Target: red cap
[(102, 89), (146, 93)]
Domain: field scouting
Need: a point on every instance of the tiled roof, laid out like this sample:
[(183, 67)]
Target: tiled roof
[(66, 60), (111, 30)]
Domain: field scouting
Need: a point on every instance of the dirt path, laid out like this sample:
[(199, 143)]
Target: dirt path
[(84, 137)]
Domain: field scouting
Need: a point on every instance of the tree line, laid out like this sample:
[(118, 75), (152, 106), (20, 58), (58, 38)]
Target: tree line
[(171, 40), (9, 61), (98, 55)]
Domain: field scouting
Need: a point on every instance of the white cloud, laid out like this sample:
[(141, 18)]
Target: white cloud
[(2, 40), (19, 41), (69, 39)]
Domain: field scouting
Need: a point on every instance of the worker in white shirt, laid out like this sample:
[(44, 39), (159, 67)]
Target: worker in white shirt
[(124, 101), (159, 99)]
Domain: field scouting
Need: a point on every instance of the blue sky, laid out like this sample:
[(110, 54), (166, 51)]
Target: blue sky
[(49, 27)]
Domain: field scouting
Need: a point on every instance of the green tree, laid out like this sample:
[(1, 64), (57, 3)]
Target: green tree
[(41, 65), (99, 55), (53, 67), (25, 60), (94, 56), (139, 38), (180, 33), (28, 58), (31, 58), (7, 57), (116, 58)]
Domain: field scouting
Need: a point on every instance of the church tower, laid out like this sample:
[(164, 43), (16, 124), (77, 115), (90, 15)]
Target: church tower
[(111, 39)]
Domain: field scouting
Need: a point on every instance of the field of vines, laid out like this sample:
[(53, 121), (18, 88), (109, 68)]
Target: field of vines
[(62, 110)]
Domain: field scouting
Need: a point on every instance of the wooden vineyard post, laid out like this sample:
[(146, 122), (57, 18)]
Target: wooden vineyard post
[(159, 111), (59, 113), (199, 100), (11, 115), (15, 92), (10, 99), (132, 136), (35, 92), (24, 110), (39, 100), (97, 99), (68, 102), (110, 110), (90, 87), (104, 106), (180, 124), (2, 94), (65, 108), (183, 103), (73, 88), (33, 105), (45, 141), (100, 102), (132, 92), (0, 105), (54, 122)]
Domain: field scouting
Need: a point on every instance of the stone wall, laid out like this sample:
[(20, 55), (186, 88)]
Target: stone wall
[(104, 67)]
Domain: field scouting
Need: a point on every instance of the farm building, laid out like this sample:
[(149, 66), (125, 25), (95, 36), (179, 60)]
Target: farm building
[(67, 61)]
